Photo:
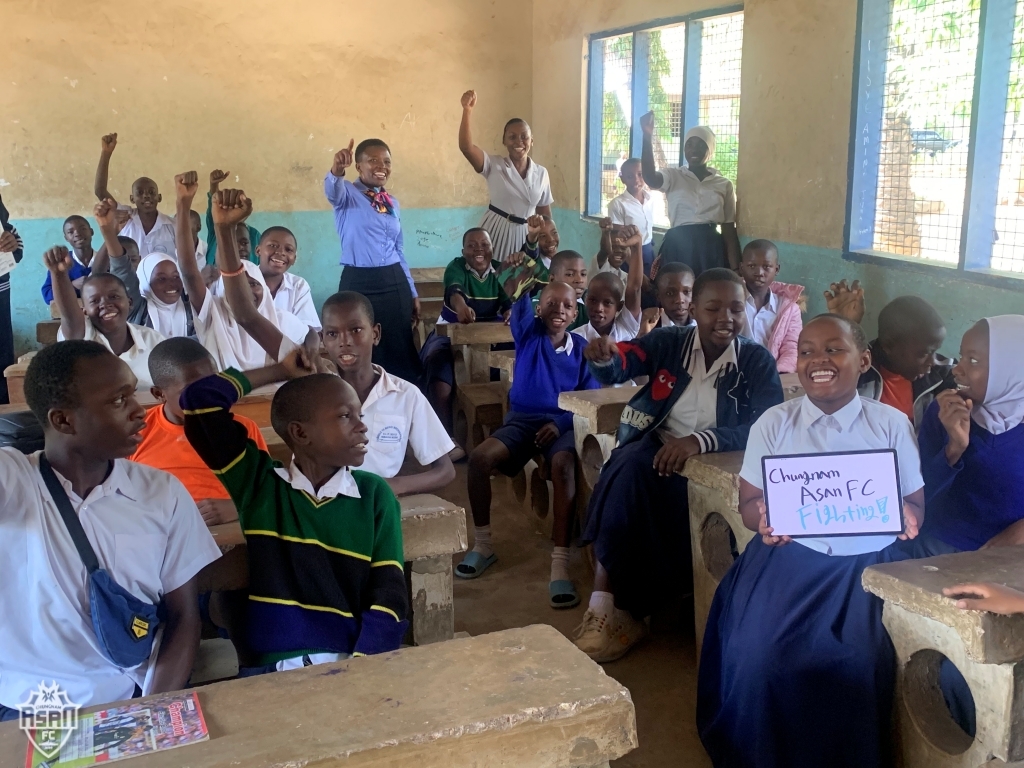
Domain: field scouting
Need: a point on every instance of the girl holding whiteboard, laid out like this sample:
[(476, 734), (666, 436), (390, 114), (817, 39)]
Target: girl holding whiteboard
[(796, 668)]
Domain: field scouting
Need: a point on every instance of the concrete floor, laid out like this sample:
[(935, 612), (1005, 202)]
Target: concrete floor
[(660, 673)]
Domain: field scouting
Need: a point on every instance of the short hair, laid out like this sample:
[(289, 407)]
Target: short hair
[(346, 299), (471, 230), (859, 337), (560, 258), (717, 275), (127, 242), (195, 215), (272, 230), (629, 161), (513, 121), (299, 399), (75, 217), (611, 281), (366, 144), (672, 268), (171, 355), (50, 378), (908, 316), (761, 245), (97, 276)]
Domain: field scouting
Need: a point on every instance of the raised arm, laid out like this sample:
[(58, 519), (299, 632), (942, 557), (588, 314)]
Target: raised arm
[(185, 187), (606, 241), (635, 280), (652, 178), (57, 261), (334, 185), (109, 143), (473, 153), (112, 257)]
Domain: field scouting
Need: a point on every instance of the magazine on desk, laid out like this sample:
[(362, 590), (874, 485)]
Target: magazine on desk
[(152, 725)]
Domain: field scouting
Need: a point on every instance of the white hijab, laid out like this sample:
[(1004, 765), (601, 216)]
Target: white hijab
[(1003, 408), (706, 135), (169, 319)]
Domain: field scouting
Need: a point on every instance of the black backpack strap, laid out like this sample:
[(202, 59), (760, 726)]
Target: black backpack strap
[(67, 512)]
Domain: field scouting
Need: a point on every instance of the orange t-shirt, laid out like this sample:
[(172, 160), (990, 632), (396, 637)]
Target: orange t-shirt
[(164, 446), (897, 392)]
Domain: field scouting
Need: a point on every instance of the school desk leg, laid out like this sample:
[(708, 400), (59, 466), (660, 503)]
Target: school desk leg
[(433, 604)]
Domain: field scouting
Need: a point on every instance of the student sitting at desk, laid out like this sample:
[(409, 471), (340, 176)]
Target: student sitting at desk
[(791, 632)]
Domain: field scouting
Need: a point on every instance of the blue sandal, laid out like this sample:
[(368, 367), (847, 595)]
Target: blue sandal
[(474, 564), (563, 594)]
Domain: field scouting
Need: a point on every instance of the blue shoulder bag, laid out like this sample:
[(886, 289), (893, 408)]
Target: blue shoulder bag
[(124, 624)]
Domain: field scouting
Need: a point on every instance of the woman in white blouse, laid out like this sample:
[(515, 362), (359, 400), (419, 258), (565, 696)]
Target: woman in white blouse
[(518, 186), (700, 201)]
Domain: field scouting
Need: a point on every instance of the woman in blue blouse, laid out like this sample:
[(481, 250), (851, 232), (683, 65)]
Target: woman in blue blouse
[(372, 252)]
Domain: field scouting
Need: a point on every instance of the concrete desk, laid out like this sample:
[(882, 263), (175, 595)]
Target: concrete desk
[(471, 348), (432, 531), (522, 697), (505, 361)]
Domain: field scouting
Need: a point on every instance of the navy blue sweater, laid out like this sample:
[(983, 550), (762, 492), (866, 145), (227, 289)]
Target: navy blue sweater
[(744, 392)]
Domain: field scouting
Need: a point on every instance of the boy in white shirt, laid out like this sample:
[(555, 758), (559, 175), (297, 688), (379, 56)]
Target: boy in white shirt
[(277, 251), (611, 309), (143, 526), (635, 207)]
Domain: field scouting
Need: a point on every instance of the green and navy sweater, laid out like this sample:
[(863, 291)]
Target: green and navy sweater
[(325, 575), (542, 277), (484, 295)]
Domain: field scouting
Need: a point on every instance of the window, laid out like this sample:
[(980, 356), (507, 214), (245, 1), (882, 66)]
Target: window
[(937, 171), (687, 72)]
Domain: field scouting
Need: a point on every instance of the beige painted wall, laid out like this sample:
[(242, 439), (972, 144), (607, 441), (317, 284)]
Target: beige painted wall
[(263, 88)]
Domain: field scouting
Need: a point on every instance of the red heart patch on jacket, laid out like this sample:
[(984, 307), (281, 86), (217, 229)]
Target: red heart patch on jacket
[(662, 385)]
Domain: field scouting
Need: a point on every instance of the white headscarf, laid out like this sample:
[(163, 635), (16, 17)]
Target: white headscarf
[(706, 135), (1003, 408), (169, 319)]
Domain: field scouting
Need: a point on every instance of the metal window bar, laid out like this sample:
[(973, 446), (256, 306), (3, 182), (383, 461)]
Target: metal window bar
[(925, 128), (1008, 248), (719, 107), (616, 113)]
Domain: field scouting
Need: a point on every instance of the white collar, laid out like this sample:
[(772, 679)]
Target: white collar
[(117, 482), (341, 483), (726, 358), (772, 305), (842, 419), (565, 349), (666, 322), (385, 384), (490, 270)]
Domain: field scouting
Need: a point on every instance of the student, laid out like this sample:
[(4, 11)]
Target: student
[(105, 318), (635, 207), (141, 523), (373, 253), (570, 268), (10, 242), (277, 251), (246, 243), (173, 365), (906, 370), (326, 576), (613, 309), (518, 186), (396, 413), (773, 312), (78, 235), (153, 231), (548, 361), (473, 293), (674, 292), (791, 631), (228, 335), (532, 265), (196, 225), (612, 256), (706, 386)]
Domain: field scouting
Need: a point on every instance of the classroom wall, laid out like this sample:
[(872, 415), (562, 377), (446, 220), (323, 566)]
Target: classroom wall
[(267, 90)]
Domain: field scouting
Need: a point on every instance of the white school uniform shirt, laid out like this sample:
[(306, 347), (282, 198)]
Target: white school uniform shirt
[(696, 409), (147, 533), (666, 322), (622, 274), (201, 250), (625, 327), (799, 426), (761, 321), (295, 296), (160, 239), (137, 357), (397, 416), (692, 201), (512, 193), (626, 209)]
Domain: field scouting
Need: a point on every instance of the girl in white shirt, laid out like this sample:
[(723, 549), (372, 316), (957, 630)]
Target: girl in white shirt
[(700, 200), (519, 187)]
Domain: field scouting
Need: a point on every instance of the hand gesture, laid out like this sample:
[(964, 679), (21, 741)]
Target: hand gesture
[(601, 350), (230, 207), (57, 259), (629, 236), (8, 242), (217, 176), (123, 217), (343, 159), (912, 526), (513, 260), (647, 124), (547, 435), (955, 416), (297, 364), (466, 314), (766, 531), (217, 511), (994, 598), (605, 223), (105, 212), (672, 456), (534, 225), (109, 143), (185, 187), (847, 301), (648, 321), (469, 99)]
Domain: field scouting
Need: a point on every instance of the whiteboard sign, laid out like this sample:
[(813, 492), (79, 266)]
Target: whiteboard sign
[(853, 493)]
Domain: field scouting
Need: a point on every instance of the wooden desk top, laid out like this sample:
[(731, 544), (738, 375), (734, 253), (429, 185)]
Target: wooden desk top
[(475, 333), (602, 407), (145, 398)]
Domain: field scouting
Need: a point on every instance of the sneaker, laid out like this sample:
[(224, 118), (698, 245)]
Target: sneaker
[(608, 638)]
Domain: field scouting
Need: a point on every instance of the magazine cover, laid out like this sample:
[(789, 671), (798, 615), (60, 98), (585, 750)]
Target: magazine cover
[(153, 725)]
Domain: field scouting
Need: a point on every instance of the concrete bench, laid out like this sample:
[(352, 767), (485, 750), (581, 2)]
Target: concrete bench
[(471, 348), (522, 697), (46, 332), (477, 406), (988, 649), (432, 531)]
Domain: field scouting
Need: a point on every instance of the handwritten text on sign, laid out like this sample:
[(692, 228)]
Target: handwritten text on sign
[(833, 494)]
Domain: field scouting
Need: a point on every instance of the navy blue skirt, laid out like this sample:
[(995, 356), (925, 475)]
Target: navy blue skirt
[(797, 670), (701, 246)]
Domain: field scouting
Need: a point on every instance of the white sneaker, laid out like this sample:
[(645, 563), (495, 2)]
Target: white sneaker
[(607, 638)]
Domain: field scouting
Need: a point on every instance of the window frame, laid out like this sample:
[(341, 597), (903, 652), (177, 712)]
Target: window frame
[(984, 156), (593, 157)]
